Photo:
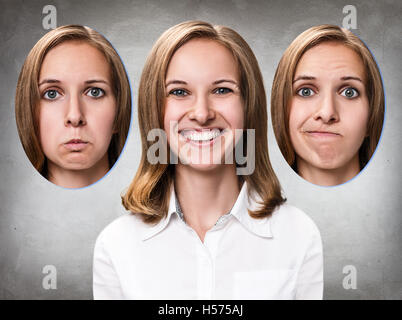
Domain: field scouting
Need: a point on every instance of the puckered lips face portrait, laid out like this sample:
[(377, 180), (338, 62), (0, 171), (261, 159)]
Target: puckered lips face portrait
[(77, 109), (203, 104), (328, 114)]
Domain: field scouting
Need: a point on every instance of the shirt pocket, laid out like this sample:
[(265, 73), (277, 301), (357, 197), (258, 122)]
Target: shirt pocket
[(272, 284)]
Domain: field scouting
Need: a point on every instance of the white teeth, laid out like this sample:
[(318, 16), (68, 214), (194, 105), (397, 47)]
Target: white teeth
[(201, 135)]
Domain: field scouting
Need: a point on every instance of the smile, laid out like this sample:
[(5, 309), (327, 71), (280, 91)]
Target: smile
[(201, 135)]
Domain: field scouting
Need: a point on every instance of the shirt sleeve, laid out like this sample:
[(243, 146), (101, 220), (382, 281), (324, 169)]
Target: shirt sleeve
[(310, 283), (106, 284)]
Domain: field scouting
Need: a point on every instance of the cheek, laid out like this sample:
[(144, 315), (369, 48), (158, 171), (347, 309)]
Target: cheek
[(106, 119), (233, 112), (103, 123), (355, 121), (49, 127), (173, 113), (298, 115)]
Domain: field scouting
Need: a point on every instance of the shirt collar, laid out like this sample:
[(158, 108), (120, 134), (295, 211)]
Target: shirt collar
[(152, 230), (244, 202), (260, 227), (179, 213)]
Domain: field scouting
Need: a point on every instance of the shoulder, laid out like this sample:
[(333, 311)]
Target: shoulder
[(125, 229), (289, 219)]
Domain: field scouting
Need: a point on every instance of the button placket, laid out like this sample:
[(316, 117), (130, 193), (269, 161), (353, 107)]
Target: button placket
[(205, 270)]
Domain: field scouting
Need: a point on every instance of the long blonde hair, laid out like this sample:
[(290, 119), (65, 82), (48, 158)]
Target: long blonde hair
[(148, 193), (27, 93), (282, 92)]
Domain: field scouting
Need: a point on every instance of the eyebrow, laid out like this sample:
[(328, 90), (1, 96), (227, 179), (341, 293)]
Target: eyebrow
[(87, 82), (214, 83), (175, 82), (305, 77), (225, 80), (49, 81), (352, 78)]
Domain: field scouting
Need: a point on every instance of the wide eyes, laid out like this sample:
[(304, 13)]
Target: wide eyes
[(53, 94), (305, 92), (348, 92), (95, 92)]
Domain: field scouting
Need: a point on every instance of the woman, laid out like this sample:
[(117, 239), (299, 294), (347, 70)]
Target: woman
[(327, 105), (73, 106), (197, 230)]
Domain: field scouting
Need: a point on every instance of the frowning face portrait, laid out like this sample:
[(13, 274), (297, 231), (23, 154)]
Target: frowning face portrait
[(329, 111), (327, 105), (73, 106), (77, 108)]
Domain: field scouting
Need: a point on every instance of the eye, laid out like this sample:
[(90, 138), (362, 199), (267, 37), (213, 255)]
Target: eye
[(305, 92), (223, 90), (350, 93), (179, 92), (50, 94), (95, 92)]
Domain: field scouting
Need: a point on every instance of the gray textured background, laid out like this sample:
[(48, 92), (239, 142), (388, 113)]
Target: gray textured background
[(42, 224)]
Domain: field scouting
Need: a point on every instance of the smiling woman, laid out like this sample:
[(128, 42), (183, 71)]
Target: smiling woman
[(73, 106), (191, 92), (327, 105), (197, 229)]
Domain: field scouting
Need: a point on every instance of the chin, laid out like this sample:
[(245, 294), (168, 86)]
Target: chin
[(205, 167), (331, 164), (74, 166)]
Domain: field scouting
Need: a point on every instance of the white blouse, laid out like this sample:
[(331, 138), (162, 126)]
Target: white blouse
[(278, 257)]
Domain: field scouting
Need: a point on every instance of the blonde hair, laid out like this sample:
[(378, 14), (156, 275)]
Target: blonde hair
[(27, 93), (282, 92), (149, 193)]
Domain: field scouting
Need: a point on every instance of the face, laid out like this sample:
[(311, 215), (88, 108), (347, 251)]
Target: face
[(329, 108), (77, 107), (203, 104)]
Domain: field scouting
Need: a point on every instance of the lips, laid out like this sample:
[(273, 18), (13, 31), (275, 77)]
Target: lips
[(201, 135), (322, 134), (75, 145)]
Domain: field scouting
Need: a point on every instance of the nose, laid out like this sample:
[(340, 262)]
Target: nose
[(74, 114), (202, 110), (327, 110)]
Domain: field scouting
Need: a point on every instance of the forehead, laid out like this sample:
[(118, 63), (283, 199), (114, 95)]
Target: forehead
[(331, 58), (75, 58), (205, 57)]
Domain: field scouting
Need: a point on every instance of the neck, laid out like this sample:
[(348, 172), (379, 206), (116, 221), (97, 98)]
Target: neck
[(204, 196), (68, 178), (328, 177)]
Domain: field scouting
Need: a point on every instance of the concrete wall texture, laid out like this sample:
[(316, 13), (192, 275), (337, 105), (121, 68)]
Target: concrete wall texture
[(42, 224)]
